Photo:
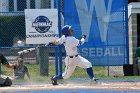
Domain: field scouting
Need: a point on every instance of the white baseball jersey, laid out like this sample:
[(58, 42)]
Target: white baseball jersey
[(72, 60)]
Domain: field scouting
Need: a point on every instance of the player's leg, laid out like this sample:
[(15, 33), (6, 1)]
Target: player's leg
[(58, 76), (84, 63), (69, 69), (90, 73)]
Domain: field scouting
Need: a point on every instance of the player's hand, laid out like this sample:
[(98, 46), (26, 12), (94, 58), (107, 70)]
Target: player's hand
[(51, 44), (84, 36)]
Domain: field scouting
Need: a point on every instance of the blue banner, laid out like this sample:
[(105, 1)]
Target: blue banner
[(103, 22)]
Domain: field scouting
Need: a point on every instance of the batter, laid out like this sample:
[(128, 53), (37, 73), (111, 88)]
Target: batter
[(73, 59)]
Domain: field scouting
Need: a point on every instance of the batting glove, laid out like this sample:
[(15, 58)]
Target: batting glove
[(84, 36)]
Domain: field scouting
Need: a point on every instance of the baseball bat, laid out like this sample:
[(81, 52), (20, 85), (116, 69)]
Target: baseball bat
[(29, 50), (26, 51)]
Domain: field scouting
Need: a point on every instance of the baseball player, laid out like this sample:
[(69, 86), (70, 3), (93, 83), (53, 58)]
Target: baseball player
[(73, 59), (20, 70), (5, 80)]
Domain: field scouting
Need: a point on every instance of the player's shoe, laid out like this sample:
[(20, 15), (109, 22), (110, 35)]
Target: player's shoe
[(54, 81), (94, 80)]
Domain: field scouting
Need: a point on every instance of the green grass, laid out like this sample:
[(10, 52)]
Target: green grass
[(34, 70)]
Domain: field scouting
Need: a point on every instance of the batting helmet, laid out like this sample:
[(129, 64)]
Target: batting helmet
[(65, 30)]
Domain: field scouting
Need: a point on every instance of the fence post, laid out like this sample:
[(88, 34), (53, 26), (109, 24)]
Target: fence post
[(59, 27), (43, 58), (56, 60)]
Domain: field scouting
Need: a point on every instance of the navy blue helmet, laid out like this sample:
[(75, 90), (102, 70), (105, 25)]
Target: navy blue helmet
[(65, 30)]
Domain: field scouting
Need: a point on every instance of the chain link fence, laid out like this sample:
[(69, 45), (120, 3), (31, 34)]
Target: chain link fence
[(40, 62), (12, 31)]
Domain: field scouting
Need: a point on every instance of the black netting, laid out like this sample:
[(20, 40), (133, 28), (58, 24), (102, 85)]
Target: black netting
[(12, 30)]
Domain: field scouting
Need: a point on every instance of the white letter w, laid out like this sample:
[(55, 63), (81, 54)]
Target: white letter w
[(85, 16)]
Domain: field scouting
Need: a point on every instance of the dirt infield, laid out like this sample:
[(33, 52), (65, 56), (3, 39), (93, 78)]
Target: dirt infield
[(74, 85)]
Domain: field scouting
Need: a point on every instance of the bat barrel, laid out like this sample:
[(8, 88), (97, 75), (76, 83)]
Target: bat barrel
[(26, 51)]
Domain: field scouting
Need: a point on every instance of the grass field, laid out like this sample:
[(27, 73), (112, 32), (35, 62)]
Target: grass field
[(34, 71)]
